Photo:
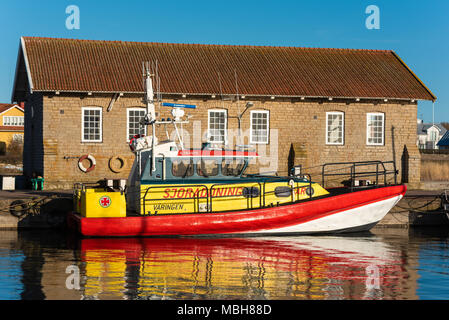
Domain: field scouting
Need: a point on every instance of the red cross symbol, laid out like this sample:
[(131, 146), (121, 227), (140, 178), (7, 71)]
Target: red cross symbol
[(105, 201)]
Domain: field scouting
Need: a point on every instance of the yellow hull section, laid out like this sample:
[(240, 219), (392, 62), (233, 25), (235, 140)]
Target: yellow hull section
[(189, 198), (185, 198), (99, 203)]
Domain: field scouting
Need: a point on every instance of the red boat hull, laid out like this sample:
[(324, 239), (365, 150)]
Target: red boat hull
[(350, 211)]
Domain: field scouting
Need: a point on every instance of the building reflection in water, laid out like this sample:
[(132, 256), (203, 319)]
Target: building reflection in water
[(247, 268)]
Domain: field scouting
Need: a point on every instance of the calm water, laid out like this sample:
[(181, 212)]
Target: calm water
[(384, 264)]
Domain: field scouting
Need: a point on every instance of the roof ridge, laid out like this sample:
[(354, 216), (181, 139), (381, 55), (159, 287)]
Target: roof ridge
[(211, 45)]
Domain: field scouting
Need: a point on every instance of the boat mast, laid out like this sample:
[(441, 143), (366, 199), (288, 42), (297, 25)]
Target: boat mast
[(150, 116)]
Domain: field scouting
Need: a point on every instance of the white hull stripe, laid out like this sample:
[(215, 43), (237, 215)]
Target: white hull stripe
[(366, 215)]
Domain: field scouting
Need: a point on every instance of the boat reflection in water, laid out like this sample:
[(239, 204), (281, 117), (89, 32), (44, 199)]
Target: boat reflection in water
[(243, 268)]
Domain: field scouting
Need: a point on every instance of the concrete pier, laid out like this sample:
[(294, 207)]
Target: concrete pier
[(418, 208), (46, 210)]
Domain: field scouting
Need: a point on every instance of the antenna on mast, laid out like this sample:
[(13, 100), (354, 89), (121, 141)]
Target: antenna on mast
[(150, 116)]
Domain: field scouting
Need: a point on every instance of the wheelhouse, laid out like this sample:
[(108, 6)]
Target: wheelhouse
[(197, 165)]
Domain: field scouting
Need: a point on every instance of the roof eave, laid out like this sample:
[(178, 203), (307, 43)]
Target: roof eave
[(27, 65), (231, 94), (15, 75), (434, 98), (22, 50)]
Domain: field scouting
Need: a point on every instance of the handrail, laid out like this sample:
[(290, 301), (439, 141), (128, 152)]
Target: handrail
[(210, 194), (263, 194), (353, 174), (248, 198), (195, 197)]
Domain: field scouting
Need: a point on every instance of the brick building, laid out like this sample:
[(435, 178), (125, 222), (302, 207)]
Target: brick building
[(310, 106)]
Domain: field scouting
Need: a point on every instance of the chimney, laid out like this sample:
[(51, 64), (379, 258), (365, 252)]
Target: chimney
[(22, 105)]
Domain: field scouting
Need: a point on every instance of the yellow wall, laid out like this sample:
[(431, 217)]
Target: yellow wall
[(7, 136)]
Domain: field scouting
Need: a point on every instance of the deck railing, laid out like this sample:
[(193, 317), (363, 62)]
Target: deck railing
[(354, 173), (204, 193)]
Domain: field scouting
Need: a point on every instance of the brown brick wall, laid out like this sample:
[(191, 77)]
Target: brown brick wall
[(300, 127)]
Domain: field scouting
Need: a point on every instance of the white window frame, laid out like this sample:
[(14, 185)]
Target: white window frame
[(367, 128), (82, 124), (225, 125), (127, 121), (251, 140), (342, 128), (18, 119)]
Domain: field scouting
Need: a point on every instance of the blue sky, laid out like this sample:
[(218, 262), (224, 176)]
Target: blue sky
[(416, 30)]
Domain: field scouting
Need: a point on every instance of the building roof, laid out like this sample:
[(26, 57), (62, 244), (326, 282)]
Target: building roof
[(423, 127), (51, 64), (7, 106), (444, 141)]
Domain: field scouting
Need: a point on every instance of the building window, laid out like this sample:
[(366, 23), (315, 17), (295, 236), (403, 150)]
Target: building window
[(260, 126), (133, 123), (91, 124), (375, 124), (433, 135), (13, 121), (335, 123), (217, 124)]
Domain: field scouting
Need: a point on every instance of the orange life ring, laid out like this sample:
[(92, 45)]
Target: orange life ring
[(92, 163), (114, 168)]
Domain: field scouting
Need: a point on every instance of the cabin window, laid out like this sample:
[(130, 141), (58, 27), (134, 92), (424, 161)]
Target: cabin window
[(182, 168), (133, 122), (260, 126), (91, 124), (208, 168), (13, 121), (232, 167), (335, 122), (217, 125), (251, 192), (283, 191), (375, 124)]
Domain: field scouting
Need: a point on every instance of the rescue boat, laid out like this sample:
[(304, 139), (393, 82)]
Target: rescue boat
[(173, 191)]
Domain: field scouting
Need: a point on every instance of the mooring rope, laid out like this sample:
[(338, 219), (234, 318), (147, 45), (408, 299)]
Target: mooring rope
[(26, 206)]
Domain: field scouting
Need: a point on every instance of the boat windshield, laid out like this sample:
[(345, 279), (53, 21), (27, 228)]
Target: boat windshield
[(232, 167), (208, 168), (182, 168)]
